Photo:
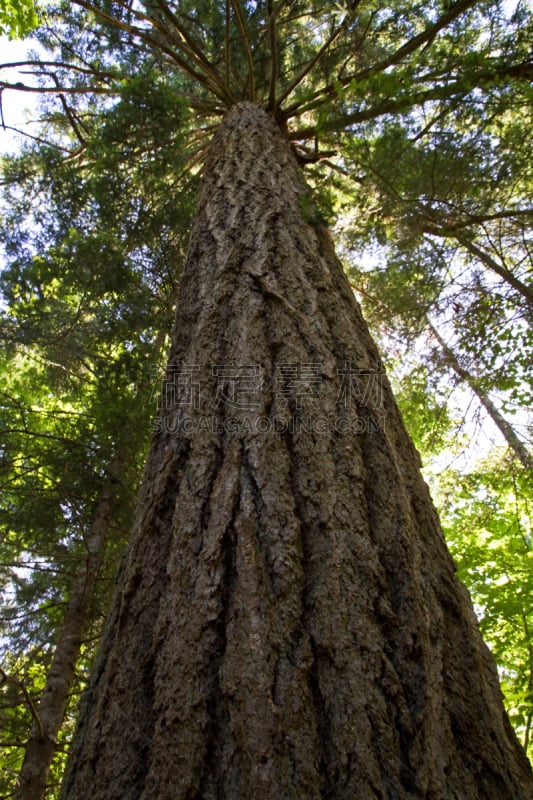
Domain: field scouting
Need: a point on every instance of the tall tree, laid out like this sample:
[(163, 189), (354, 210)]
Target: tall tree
[(287, 620)]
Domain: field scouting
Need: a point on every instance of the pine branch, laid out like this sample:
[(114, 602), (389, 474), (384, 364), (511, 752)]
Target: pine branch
[(241, 22), (459, 88), (274, 66), (312, 62), (399, 55)]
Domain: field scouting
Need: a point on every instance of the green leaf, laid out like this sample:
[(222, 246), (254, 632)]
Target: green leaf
[(18, 18)]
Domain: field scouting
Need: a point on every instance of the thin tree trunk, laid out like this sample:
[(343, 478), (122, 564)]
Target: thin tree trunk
[(499, 420), (499, 269), (447, 231), (288, 624), (41, 745)]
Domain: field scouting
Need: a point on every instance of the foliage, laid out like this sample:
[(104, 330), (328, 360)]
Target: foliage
[(17, 18), (88, 298), (61, 424), (488, 522)]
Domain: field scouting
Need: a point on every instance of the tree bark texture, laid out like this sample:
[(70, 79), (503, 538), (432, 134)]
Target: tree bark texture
[(41, 745), (287, 624)]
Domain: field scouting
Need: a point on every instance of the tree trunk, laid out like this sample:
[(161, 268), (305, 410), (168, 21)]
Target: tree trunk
[(506, 429), (288, 625), (499, 269), (41, 745)]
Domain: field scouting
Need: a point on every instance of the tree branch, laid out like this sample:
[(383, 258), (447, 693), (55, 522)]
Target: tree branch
[(499, 269), (311, 63), (460, 87), (59, 65), (22, 87), (228, 43), (427, 36), (406, 49), (241, 22), (156, 44), (501, 423), (191, 48), (274, 67), (475, 219)]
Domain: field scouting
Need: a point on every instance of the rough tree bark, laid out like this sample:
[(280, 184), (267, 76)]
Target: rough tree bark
[(42, 742), (287, 623)]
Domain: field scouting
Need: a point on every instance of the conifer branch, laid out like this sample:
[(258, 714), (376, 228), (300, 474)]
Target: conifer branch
[(23, 87), (492, 264), (228, 43), (274, 67), (70, 114), (389, 105), (241, 22), (193, 50), (129, 7), (13, 743), (279, 8), (69, 153), (58, 65), (426, 37), (312, 62), (156, 44), (468, 219), (505, 428)]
